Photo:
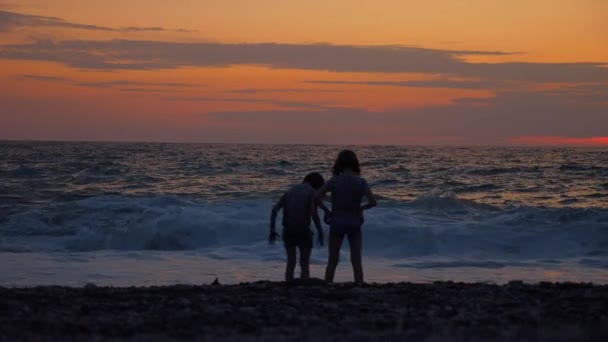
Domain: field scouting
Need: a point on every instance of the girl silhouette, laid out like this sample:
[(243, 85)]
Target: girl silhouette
[(347, 189)]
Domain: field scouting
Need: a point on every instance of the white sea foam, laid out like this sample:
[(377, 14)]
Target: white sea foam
[(435, 224)]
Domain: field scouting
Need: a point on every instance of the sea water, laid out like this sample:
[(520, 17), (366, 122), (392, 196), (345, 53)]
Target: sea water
[(151, 214)]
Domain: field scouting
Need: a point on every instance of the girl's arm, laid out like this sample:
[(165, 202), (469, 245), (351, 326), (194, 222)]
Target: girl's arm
[(322, 191), (371, 199), (315, 218), (273, 218), (319, 203), (319, 198)]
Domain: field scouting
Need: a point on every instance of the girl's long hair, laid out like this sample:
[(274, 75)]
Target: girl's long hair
[(347, 159)]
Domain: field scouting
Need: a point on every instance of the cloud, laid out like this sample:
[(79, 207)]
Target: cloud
[(111, 84), (11, 20), (282, 103), (184, 31), (146, 55), (282, 90), (439, 83), (44, 78), (590, 92), (141, 29), (108, 84), (148, 90)]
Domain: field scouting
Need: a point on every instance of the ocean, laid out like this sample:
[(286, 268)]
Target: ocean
[(122, 214)]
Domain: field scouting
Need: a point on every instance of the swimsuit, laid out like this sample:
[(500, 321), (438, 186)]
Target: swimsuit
[(300, 237), (347, 190), (346, 224)]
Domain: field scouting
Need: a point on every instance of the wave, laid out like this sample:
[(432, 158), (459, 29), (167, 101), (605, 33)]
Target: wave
[(400, 169), (23, 172), (435, 224), (577, 167), (284, 163), (493, 171), (275, 172), (580, 168), (477, 188), (437, 199), (386, 181)]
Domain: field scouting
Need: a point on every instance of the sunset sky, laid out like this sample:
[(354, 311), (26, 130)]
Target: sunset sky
[(437, 72)]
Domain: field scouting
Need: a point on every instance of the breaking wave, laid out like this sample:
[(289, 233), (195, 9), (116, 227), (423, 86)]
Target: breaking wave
[(436, 223)]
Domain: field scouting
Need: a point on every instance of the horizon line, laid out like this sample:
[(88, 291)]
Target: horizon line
[(288, 144)]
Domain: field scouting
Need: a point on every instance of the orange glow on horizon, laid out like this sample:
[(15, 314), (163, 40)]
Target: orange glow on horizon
[(560, 141)]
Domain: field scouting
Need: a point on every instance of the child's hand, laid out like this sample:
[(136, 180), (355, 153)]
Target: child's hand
[(272, 238), (327, 217), (320, 239)]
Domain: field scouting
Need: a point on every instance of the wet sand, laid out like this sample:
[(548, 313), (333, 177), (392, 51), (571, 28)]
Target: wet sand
[(309, 311)]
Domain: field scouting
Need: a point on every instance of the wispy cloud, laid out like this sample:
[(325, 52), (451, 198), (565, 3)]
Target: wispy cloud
[(281, 90), (282, 103), (108, 84), (11, 20), (111, 84), (438, 83), (44, 78), (148, 90), (185, 30), (150, 55), (594, 92)]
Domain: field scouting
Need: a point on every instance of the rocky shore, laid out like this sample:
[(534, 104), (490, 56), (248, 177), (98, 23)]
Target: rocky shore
[(309, 311)]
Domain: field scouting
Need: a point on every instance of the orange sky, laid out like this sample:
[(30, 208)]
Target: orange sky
[(459, 72)]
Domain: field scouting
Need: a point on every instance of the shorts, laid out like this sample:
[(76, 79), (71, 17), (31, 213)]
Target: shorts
[(345, 225), (297, 237)]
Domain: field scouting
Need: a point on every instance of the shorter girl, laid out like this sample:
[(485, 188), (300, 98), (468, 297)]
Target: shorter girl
[(299, 206), (347, 189)]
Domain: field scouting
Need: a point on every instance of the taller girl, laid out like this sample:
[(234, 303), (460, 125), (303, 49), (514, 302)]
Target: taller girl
[(347, 189)]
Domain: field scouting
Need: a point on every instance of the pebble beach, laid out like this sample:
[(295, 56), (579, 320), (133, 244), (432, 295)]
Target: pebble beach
[(308, 310)]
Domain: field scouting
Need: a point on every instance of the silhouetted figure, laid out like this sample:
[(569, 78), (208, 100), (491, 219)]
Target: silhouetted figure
[(347, 189), (299, 205)]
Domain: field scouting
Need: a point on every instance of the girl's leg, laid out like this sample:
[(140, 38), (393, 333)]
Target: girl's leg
[(334, 245), (305, 263), (291, 262), (356, 241)]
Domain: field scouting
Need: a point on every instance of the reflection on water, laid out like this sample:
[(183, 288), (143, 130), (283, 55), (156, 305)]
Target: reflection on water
[(493, 175), (134, 268)]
